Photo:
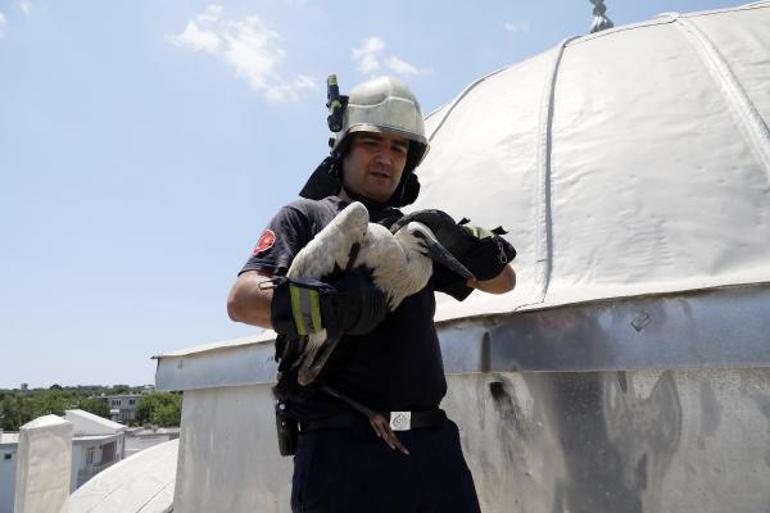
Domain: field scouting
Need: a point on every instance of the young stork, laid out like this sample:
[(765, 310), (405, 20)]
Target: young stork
[(400, 264)]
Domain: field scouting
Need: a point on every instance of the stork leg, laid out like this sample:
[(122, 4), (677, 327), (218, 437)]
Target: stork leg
[(315, 342), (312, 366)]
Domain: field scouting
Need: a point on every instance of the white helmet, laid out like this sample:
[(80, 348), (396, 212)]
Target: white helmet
[(385, 105)]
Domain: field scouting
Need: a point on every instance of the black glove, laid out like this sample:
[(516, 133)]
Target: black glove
[(485, 253), (489, 254), (359, 305), (350, 305)]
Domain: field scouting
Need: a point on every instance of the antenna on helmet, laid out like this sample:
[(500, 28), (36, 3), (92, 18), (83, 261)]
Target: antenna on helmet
[(336, 104)]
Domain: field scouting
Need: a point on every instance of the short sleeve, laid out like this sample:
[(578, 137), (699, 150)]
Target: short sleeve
[(279, 243), (450, 283)]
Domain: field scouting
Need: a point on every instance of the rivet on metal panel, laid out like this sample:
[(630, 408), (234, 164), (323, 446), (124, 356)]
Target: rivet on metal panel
[(640, 321)]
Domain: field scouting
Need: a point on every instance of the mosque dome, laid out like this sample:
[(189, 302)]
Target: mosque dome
[(633, 161)]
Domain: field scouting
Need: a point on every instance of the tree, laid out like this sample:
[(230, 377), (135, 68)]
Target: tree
[(52, 402), (15, 411), (161, 408), (120, 389), (95, 406), (168, 415)]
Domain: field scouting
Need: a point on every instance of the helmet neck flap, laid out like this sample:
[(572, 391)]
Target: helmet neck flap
[(326, 180)]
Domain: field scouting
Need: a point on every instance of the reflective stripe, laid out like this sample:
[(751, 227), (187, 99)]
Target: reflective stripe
[(306, 309), (296, 310), (315, 311)]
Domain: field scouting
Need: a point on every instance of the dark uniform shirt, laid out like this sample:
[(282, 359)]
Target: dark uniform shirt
[(396, 367)]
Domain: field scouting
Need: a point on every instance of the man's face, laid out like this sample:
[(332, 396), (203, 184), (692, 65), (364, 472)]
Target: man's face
[(373, 164)]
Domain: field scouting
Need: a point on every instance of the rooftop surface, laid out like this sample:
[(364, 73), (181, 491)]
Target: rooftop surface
[(142, 483), (9, 438), (86, 423)]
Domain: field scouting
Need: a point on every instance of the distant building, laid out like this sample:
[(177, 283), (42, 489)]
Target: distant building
[(123, 406), (8, 445), (97, 443)]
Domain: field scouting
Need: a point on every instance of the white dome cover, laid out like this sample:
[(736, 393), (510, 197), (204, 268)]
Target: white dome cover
[(631, 161)]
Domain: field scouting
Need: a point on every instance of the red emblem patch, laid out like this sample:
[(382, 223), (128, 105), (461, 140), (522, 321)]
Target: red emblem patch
[(266, 241)]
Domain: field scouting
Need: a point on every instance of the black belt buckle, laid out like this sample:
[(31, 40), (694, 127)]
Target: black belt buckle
[(287, 427)]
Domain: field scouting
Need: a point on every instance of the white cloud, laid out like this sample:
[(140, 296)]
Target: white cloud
[(196, 39), (401, 66), (281, 93), (211, 13), (368, 57), (249, 46), (366, 54), (304, 82), (291, 90), (2, 25), (517, 26), (25, 5), (253, 51)]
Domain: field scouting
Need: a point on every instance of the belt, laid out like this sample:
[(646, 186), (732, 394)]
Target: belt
[(399, 420)]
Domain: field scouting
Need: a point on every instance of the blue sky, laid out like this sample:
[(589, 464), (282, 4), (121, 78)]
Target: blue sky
[(145, 144)]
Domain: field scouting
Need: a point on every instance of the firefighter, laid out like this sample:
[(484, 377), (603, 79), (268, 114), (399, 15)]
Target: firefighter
[(371, 434)]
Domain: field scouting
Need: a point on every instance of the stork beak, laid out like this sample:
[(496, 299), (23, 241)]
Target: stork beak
[(439, 253)]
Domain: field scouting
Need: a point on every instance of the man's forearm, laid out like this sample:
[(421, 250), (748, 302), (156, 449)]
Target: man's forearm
[(248, 303), (500, 284)]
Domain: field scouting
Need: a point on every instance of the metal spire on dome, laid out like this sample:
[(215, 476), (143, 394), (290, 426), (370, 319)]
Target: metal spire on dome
[(601, 21)]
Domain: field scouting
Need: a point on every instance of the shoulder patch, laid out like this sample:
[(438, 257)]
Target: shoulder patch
[(265, 242)]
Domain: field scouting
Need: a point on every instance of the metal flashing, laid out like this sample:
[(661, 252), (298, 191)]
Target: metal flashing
[(723, 327)]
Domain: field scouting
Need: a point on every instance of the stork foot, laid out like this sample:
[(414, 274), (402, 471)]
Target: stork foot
[(304, 378)]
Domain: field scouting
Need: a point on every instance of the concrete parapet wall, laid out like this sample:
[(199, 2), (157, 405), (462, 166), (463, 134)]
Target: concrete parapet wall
[(642, 441), (43, 471)]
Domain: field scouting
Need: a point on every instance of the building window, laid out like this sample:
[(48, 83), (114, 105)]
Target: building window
[(108, 452), (132, 402), (7, 456), (91, 455)]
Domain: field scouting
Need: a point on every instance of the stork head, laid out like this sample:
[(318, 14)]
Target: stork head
[(416, 237)]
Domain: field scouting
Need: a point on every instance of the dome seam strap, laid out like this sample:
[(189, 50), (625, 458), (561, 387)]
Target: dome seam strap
[(545, 142), (750, 121)]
